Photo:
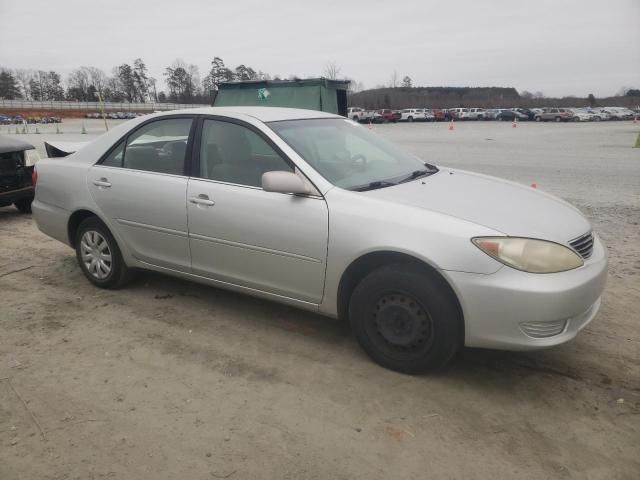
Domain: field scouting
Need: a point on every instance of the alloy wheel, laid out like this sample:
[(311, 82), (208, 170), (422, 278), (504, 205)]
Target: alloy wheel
[(96, 254)]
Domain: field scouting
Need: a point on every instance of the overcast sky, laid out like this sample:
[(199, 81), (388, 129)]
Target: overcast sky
[(559, 47)]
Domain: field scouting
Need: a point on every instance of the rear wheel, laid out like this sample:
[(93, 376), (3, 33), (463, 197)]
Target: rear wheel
[(405, 320), (99, 256), (24, 206), (558, 119), (410, 119), (537, 119)]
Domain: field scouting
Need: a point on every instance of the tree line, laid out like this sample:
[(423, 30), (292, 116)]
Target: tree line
[(128, 82), (406, 96), (131, 82)]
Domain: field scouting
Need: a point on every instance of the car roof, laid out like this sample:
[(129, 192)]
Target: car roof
[(264, 114), (8, 144)]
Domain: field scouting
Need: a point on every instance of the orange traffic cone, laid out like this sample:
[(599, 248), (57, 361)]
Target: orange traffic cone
[(514, 124), (451, 125), (534, 185), (370, 125)]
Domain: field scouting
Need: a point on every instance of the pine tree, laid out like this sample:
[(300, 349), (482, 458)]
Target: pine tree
[(9, 87)]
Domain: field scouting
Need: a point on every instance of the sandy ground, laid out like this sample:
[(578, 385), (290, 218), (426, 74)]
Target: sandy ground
[(168, 379)]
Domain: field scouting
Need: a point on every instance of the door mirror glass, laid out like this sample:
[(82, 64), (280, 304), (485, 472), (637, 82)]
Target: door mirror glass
[(284, 182)]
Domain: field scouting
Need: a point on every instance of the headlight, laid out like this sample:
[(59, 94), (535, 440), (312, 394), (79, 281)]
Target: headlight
[(529, 255)]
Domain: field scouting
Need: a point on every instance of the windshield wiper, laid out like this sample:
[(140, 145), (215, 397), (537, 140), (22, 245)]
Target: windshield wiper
[(430, 170), (373, 186)]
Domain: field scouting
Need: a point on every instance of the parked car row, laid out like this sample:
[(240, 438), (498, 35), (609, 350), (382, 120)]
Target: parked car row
[(584, 114), (19, 119), (115, 115)]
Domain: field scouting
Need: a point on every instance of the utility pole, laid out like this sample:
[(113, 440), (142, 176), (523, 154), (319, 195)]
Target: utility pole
[(101, 103)]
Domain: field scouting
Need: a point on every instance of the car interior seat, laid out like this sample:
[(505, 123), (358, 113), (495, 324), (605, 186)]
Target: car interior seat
[(238, 164)]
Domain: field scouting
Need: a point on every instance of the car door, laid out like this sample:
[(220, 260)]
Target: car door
[(243, 235), (141, 188)]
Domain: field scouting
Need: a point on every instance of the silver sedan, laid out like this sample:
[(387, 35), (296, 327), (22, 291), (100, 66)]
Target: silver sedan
[(313, 210)]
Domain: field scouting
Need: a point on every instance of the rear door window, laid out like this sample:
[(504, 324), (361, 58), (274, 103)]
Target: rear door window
[(159, 146)]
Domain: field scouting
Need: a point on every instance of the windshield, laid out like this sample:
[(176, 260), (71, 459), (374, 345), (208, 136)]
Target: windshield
[(347, 154)]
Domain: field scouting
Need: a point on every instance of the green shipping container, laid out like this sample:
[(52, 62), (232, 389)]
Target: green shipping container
[(311, 94)]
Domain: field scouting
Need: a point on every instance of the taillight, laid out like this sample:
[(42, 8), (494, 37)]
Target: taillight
[(34, 176)]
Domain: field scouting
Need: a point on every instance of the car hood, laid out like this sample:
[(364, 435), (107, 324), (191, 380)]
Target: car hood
[(504, 206)]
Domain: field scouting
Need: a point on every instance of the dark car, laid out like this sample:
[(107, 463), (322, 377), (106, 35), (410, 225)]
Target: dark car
[(16, 170), (511, 115), (529, 113)]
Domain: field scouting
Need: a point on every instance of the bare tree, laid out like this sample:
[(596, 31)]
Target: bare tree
[(98, 79), (24, 77), (622, 91), (393, 82), (332, 70), (354, 85)]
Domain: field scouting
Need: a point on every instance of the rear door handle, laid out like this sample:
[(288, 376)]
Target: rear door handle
[(202, 199), (103, 182)]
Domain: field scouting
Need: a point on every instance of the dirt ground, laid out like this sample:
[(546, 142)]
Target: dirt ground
[(171, 380)]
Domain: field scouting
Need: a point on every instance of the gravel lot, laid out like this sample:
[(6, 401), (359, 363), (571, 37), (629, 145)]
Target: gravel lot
[(169, 379)]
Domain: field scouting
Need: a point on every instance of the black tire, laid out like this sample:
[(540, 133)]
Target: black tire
[(356, 119), (537, 119), (410, 119), (24, 206), (558, 119), (119, 274), (405, 319)]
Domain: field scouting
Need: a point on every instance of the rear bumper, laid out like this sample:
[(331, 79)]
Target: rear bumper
[(12, 196), (513, 310), (51, 220)]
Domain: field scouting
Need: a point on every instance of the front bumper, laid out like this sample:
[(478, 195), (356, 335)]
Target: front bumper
[(514, 310)]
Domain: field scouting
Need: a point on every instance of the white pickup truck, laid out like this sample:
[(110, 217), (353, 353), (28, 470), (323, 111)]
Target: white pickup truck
[(358, 114), (413, 115)]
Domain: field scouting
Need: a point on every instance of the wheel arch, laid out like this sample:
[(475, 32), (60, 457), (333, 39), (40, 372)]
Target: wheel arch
[(74, 222), (368, 262)]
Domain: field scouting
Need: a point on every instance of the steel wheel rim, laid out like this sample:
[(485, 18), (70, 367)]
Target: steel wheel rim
[(400, 325), (95, 254)]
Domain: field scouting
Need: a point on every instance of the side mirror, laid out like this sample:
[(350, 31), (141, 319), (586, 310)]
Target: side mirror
[(284, 182)]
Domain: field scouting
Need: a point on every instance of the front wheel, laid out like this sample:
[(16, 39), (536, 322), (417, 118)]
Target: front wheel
[(558, 119), (405, 319), (410, 119), (99, 256)]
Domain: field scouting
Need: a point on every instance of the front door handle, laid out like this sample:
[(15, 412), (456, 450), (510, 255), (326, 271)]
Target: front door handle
[(202, 199), (103, 182)]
